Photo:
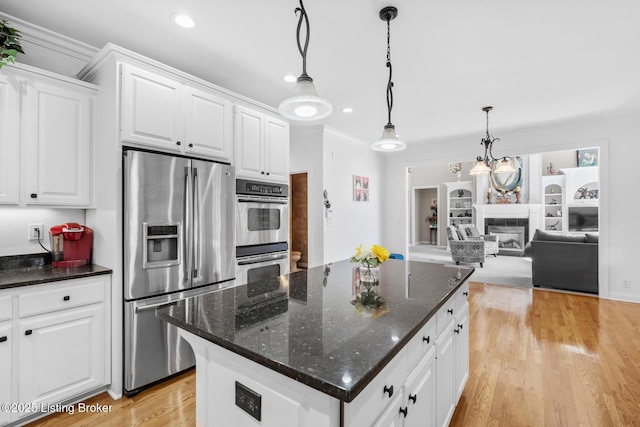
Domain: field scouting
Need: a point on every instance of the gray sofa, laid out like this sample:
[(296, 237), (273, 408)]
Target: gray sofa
[(564, 262)]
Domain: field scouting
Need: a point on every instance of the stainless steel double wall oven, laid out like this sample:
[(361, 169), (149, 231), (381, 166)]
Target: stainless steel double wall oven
[(262, 230)]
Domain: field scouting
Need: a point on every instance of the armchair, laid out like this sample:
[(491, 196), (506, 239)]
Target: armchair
[(466, 251), (470, 232)]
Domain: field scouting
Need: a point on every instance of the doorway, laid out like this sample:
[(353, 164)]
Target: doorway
[(425, 215), (299, 217)]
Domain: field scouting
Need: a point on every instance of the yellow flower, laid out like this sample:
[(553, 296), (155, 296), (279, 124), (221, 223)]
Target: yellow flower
[(380, 252), (359, 251)]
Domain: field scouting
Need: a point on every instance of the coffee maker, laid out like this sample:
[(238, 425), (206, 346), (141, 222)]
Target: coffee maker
[(70, 245)]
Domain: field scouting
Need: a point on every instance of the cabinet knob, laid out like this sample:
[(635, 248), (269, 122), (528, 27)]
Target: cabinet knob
[(3, 339), (262, 172), (459, 326), (404, 412), (426, 339), (178, 143), (457, 331), (28, 332), (66, 298), (190, 145), (388, 390), (450, 311), (413, 398), (34, 195), (466, 294), (267, 173)]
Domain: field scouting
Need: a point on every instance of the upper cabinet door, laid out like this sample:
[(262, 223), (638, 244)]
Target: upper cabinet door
[(56, 129), (277, 149), (249, 137), (207, 129), (9, 126), (151, 109)]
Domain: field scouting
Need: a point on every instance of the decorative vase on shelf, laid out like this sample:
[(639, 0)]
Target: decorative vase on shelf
[(369, 276), (458, 176)]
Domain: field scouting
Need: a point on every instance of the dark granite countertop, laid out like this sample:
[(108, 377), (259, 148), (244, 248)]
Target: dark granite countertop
[(34, 269), (303, 325)]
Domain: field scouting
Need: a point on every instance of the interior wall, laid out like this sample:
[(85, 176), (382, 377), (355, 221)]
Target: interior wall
[(15, 223), (424, 211), (617, 138), (560, 160), (351, 222)]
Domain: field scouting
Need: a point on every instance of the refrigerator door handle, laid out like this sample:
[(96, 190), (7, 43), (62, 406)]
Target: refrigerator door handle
[(186, 240), (196, 224), (144, 308)]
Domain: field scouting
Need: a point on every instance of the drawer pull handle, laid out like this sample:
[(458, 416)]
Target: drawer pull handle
[(404, 411), (34, 195), (459, 326), (413, 398), (426, 339), (3, 339), (66, 298), (28, 332), (450, 311), (466, 294), (388, 390)]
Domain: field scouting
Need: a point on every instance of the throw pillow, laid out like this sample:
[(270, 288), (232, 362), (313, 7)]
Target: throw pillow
[(452, 233)]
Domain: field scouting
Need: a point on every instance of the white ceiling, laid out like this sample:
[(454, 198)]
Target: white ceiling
[(534, 61)]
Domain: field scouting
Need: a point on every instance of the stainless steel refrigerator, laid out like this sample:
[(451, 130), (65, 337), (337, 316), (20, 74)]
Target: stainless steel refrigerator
[(179, 241)]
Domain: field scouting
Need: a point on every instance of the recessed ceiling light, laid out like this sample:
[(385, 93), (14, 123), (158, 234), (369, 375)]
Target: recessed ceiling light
[(347, 110), (290, 78), (185, 21)]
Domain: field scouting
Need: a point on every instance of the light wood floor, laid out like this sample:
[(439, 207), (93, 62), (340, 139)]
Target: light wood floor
[(537, 358)]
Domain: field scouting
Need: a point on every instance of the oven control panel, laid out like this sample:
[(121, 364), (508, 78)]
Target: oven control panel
[(259, 188)]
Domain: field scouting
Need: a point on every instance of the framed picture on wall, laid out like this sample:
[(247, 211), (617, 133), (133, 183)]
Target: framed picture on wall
[(360, 188), (588, 157)]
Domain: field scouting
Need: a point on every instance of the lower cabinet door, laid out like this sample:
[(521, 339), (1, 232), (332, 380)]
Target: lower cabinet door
[(6, 343), (392, 416), (420, 393), (462, 349), (62, 354), (445, 375)]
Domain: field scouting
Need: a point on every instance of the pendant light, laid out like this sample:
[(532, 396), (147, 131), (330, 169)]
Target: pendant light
[(389, 141), (485, 164), (305, 105)]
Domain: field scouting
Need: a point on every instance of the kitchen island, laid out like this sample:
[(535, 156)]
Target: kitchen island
[(307, 349)]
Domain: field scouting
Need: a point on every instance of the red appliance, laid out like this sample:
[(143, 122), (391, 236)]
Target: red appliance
[(70, 245)]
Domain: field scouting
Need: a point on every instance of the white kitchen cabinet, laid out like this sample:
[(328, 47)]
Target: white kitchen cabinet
[(61, 354), (56, 129), (392, 416), (261, 146), (462, 350), (445, 375), (60, 345), (165, 114), (420, 393), (6, 344), (9, 134)]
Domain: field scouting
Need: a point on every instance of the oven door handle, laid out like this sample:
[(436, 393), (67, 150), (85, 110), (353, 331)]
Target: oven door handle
[(262, 259), (263, 201)]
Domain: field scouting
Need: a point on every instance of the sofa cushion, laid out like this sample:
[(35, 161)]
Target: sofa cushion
[(591, 238), (553, 237)]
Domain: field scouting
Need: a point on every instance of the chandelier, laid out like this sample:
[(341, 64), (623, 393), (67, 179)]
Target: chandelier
[(305, 105), (485, 164), (389, 141)]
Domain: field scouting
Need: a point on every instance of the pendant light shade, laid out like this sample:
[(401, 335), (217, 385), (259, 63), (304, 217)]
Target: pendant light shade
[(485, 164), (305, 104), (389, 141)]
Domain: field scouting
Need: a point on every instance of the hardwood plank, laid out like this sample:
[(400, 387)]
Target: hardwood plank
[(537, 358)]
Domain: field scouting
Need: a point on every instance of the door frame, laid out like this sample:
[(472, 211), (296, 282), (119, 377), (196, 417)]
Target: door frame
[(416, 222)]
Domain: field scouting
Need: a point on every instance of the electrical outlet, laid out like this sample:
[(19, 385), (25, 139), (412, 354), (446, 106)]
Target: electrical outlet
[(626, 284), (33, 232)]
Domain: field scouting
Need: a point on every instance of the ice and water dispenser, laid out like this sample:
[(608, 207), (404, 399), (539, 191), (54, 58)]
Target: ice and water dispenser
[(161, 245)]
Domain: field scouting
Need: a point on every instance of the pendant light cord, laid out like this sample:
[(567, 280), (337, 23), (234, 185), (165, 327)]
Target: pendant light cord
[(303, 50), (390, 83)]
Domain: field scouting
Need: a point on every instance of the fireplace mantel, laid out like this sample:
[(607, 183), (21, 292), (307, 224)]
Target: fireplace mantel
[(513, 210)]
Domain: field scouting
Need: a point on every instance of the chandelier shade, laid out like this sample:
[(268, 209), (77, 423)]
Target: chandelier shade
[(305, 104)]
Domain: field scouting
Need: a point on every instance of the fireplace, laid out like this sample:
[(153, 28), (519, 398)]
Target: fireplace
[(513, 234)]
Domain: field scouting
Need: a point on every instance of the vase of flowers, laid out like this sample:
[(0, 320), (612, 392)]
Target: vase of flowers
[(369, 258), (456, 169)]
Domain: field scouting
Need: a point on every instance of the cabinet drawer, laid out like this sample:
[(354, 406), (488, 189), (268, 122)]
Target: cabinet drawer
[(376, 397), (462, 295), (421, 343), (445, 314), (59, 297), (5, 308)]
